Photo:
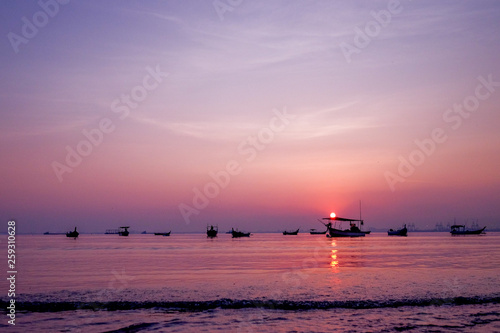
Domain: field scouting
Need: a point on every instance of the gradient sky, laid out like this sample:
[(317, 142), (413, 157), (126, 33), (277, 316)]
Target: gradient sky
[(354, 117)]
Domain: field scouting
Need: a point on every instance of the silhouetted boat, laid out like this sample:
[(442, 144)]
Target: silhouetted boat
[(162, 233), (237, 233), (458, 229), (315, 232), (400, 232), (123, 231), (73, 233), (296, 232), (212, 232), (335, 230)]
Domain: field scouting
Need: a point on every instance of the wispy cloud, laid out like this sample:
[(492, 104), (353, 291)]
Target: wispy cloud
[(314, 124)]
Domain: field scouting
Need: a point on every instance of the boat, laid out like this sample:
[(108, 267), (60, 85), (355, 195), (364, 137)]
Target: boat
[(459, 229), (73, 233), (123, 231), (296, 232), (336, 230), (162, 233), (211, 231), (400, 232), (237, 234), (315, 232)]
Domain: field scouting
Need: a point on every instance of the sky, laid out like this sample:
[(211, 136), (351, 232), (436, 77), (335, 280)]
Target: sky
[(257, 115)]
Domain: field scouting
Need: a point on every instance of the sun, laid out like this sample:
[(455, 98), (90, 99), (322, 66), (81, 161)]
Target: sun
[(332, 215)]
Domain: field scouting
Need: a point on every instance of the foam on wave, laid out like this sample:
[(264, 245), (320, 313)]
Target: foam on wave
[(244, 304)]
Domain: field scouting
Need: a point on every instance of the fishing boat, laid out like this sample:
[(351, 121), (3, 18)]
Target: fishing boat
[(399, 232), (123, 231), (237, 234), (73, 233), (295, 232), (459, 229), (315, 232), (335, 227), (162, 233), (211, 231)]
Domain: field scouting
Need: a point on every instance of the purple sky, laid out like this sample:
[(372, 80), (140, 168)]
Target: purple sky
[(261, 115)]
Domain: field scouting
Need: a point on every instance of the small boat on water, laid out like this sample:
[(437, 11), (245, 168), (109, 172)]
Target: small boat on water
[(295, 232), (212, 231), (237, 234), (123, 231), (73, 233), (336, 229), (459, 229), (315, 232), (400, 232), (162, 233)]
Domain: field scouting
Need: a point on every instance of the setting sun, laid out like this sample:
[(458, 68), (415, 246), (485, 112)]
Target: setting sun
[(332, 215)]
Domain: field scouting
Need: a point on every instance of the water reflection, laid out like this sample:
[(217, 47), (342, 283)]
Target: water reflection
[(334, 263)]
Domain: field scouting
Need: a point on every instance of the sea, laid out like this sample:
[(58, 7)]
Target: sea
[(426, 282)]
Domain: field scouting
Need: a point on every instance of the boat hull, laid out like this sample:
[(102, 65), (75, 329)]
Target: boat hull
[(238, 234), (344, 233), (400, 232), (162, 233), (467, 232), (296, 232)]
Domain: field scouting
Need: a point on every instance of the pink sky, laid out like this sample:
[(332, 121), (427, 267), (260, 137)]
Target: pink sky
[(209, 89)]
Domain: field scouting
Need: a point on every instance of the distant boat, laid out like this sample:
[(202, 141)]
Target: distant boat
[(458, 229), (296, 232), (336, 229), (73, 233), (237, 234), (400, 232), (315, 232), (212, 232), (162, 233), (123, 231)]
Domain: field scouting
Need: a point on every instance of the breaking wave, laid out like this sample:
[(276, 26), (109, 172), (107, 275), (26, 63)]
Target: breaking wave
[(54, 306)]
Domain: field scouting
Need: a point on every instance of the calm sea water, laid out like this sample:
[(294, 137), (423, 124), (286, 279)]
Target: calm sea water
[(265, 283)]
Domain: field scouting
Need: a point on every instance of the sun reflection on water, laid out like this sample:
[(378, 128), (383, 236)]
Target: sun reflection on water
[(334, 263)]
